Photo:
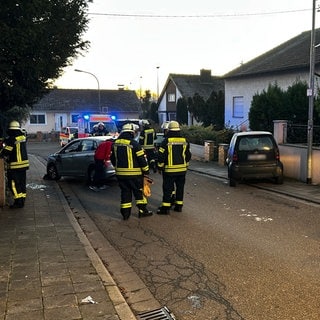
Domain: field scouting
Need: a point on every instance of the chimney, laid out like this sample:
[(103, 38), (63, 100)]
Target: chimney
[(205, 76)]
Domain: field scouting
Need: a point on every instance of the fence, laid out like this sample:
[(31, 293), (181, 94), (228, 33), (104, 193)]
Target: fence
[(298, 133), (293, 155)]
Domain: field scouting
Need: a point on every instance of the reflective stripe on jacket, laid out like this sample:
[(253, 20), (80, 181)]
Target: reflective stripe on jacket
[(128, 158), (16, 151), (147, 138), (174, 155)]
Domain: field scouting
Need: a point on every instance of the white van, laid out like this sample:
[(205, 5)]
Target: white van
[(67, 134)]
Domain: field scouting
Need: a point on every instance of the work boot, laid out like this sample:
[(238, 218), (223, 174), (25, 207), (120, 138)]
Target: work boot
[(143, 211), (163, 210), (125, 213), (18, 203), (178, 208)]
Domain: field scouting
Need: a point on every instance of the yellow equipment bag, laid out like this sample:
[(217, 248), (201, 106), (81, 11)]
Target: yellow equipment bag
[(147, 182)]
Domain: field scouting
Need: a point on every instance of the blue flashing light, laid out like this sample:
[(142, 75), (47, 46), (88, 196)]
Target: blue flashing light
[(86, 117), (113, 118)]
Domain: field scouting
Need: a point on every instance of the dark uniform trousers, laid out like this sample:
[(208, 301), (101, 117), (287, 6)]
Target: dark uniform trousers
[(17, 183), (128, 187), (168, 184)]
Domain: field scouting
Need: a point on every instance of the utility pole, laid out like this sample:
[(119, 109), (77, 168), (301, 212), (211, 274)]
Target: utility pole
[(310, 94)]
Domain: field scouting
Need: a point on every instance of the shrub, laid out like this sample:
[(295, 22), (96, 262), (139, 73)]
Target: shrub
[(199, 134)]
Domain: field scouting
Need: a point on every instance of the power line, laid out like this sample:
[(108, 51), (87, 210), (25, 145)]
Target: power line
[(218, 15)]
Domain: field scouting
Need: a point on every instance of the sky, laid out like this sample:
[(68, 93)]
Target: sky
[(138, 43)]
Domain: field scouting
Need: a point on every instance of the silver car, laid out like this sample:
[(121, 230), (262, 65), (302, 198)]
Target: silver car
[(76, 159)]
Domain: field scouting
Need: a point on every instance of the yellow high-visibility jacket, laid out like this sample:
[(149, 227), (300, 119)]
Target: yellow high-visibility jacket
[(128, 158), (16, 152), (146, 138), (174, 155)]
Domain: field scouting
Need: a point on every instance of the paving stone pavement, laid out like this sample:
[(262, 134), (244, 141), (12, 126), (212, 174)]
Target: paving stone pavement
[(45, 268), (49, 270)]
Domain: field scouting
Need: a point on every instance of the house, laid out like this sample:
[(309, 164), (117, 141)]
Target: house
[(61, 107), (186, 86), (284, 65)]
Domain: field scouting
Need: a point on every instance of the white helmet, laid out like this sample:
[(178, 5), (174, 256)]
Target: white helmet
[(174, 126), (14, 125), (128, 127)]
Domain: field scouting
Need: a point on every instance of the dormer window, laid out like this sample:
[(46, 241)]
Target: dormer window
[(171, 97)]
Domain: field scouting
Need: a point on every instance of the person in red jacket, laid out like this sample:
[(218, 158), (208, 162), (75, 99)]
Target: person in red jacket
[(101, 155)]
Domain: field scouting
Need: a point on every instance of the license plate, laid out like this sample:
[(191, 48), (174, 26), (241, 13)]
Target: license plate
[(257, 157)]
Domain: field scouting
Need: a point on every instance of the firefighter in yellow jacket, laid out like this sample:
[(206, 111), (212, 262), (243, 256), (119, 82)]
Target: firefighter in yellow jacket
[(146, 140), (16, 156), (173, 160), (131, 166)]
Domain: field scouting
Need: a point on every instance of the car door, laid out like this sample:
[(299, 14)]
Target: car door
[(84, 157), (65, 159)]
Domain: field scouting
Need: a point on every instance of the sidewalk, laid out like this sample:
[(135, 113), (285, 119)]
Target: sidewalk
[(290, 187), (45, 269), (48, 269)]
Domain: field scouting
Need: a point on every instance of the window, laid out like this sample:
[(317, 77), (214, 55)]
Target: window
[(171, 97), (237, 111), (172, 116), (37, 119), (74, 118)]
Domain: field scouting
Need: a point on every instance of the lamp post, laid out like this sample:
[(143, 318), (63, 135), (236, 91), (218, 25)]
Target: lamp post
[(158, 83), (310, 94), (99, 98), (140, 89)]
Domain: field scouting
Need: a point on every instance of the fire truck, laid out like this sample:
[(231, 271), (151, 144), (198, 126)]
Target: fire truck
[(87, 121)]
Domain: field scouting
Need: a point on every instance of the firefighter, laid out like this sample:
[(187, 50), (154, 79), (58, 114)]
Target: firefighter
[(165, 128), (173, 160), (146, 140), (16, 156), (99, 130), (131, 166)]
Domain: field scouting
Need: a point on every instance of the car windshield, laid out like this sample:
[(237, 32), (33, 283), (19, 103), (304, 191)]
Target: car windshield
[(73, 130)]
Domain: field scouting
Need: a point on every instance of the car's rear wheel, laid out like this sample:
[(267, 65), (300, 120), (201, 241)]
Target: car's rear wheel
[(279, 179), (232, 182), (52, 172)]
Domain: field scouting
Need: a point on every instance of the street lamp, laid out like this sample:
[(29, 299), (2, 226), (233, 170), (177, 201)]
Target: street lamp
[(158, 82), (140, 88), (99, 98), (310, 94)]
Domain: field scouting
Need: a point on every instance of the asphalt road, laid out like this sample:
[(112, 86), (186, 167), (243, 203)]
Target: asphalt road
[(233, 253)]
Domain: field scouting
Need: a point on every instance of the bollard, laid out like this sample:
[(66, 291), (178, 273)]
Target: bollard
[(208, 150), (222, 153)]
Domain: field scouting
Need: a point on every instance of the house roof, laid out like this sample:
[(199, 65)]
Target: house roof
[(188, 85), (86, 100), (291, 55)]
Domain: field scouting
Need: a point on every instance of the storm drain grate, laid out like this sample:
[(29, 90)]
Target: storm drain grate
[(158, 314)]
